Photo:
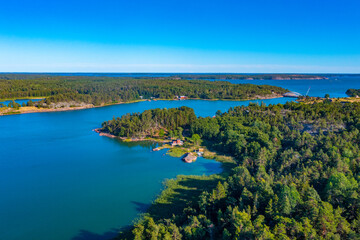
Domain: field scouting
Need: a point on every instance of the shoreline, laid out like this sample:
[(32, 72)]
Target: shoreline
[(25, 110), (125, 139), (167, 193)]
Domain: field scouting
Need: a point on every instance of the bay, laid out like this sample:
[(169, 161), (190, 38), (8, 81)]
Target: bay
[(60, 180)]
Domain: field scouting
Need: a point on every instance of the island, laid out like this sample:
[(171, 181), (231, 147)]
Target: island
[(64, 93), (291, 171), (353, 92), (272, 76)]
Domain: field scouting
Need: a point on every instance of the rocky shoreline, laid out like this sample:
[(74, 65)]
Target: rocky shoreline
[(98, 130)]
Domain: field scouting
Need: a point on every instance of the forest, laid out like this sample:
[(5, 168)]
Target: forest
[(150, 122), (107, 90), (296, 176)]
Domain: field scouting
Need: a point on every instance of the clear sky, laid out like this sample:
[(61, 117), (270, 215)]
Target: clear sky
[(314, 36)]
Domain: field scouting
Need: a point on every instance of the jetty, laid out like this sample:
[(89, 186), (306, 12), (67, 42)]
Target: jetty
[(189, 158)]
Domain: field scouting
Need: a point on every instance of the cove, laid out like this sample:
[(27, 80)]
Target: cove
[(61, 180), (19, 101)]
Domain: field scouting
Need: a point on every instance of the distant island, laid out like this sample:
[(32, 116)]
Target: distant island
[(353, 92), (253, 76), (60, 93), (291, 172), (220, 76)]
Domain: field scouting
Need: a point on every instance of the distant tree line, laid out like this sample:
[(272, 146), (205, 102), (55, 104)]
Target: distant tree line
[(104, 90), (250, 76)]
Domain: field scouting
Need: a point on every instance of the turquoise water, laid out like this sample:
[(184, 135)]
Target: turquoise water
[(20, 101), (60, 180)]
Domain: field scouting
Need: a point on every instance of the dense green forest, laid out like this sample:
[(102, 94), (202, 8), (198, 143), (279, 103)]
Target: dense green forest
[(353, 92), (103, 90), (150, 122), (296, 176)]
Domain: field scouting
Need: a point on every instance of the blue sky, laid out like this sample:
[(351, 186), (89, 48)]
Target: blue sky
[(180, 36)]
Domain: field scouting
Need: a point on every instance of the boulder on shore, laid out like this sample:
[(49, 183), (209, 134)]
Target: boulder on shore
[(189, 158)]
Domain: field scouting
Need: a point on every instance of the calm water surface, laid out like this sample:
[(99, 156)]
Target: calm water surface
[(335, 86), (60, 180)]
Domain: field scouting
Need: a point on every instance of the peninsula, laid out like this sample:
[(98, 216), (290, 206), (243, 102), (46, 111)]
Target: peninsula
[(63, 93), (292, 172), (167, 126)]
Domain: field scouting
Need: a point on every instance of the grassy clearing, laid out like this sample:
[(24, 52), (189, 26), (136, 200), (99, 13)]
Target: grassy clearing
[(312, 100), (11, 113), (176, 152), (185, 190), (181, 192)]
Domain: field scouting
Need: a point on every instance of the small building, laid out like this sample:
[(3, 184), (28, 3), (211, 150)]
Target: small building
[(199, 152), (180, 97), (177, 142)]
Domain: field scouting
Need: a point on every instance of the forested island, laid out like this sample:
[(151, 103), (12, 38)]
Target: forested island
[(76, 92), (294, 174), (353, 92), (253, 76)]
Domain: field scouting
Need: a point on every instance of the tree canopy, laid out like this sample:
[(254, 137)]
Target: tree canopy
[(105, 90), (297, 176), (353, 92), (150, 122)]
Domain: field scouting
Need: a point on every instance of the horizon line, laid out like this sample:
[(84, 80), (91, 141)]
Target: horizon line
[(240, 73)]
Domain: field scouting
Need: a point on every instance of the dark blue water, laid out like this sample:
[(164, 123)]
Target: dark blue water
[(335, 86), (61, 180), (20, 101)]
